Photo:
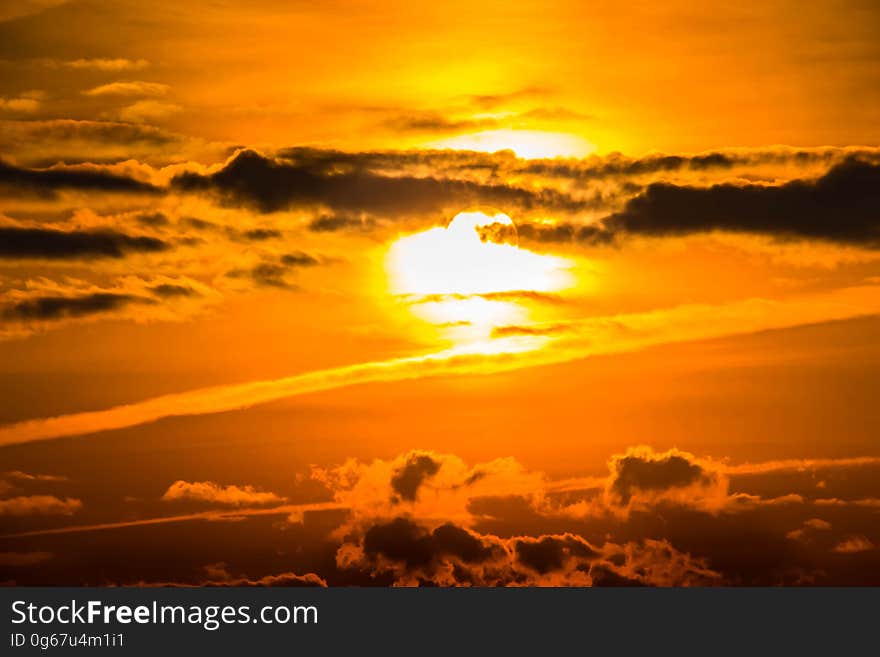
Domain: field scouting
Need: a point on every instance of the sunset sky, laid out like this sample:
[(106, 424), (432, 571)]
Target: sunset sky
[(464, 293)]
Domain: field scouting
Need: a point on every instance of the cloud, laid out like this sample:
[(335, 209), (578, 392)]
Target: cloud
[(779, 163), (809, 527), (492, 101), (448, 555), (414, 518), (46, 182), (274, 272), (854, 545), (642, 474), (25, 476), (18, 243), (208, 491), (261, 234), (426, 485), (592, 234), (131, 88), (328, 223), (22, 104), (43, 505), (799, 465), (270, 185), (144, 111), (681, 526), (354, 188), (840, 206), (549, 553), (46, 142), (402, 540), (219, 576), (406, 479), (433, 485), (210, 400), (281, 579), (597, 335), (299, 259), (100, 64), (269, 275), (153, 219), (436, 122), (169, 290), (617, 165), (41, 303), (235, 514), (426, 518), (531, 330), (265, 274), (54, 308), (22, 8)]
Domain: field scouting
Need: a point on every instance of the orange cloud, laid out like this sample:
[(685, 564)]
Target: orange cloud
[(43, 505), (853, 545), (208, 491), (132, 88)]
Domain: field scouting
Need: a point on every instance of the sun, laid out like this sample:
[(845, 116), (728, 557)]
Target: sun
[(476, 254), (472, 276)]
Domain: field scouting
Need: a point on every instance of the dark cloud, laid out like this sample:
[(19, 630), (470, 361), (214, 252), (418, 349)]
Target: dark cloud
[(435, 122), (406, 480), (563, 538), (602, 575), (46, 182), (198, 224), (299, 259), (330, 160), (840, 206), (57, 245), (404, 541), (646, 471), (270, 185), (564, 232), (273, 273), (328, 223), (614, 166), (261, 234), (67, 130), (59, 307), (843, 205), (169, 290), (450, 555), (269, 275), (153, 219), (617, 165), (550, 553), (44, 143)]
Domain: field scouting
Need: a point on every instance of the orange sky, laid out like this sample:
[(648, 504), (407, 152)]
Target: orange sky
[(231, 249)]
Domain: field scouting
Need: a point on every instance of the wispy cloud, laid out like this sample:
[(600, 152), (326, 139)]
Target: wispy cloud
[(130, 88), (598, 335)]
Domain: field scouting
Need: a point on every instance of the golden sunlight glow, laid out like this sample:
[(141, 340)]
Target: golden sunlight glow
[(528, 144), (467, 277), (456, 260)]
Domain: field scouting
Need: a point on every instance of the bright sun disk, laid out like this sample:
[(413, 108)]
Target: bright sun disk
[(466, 276)]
